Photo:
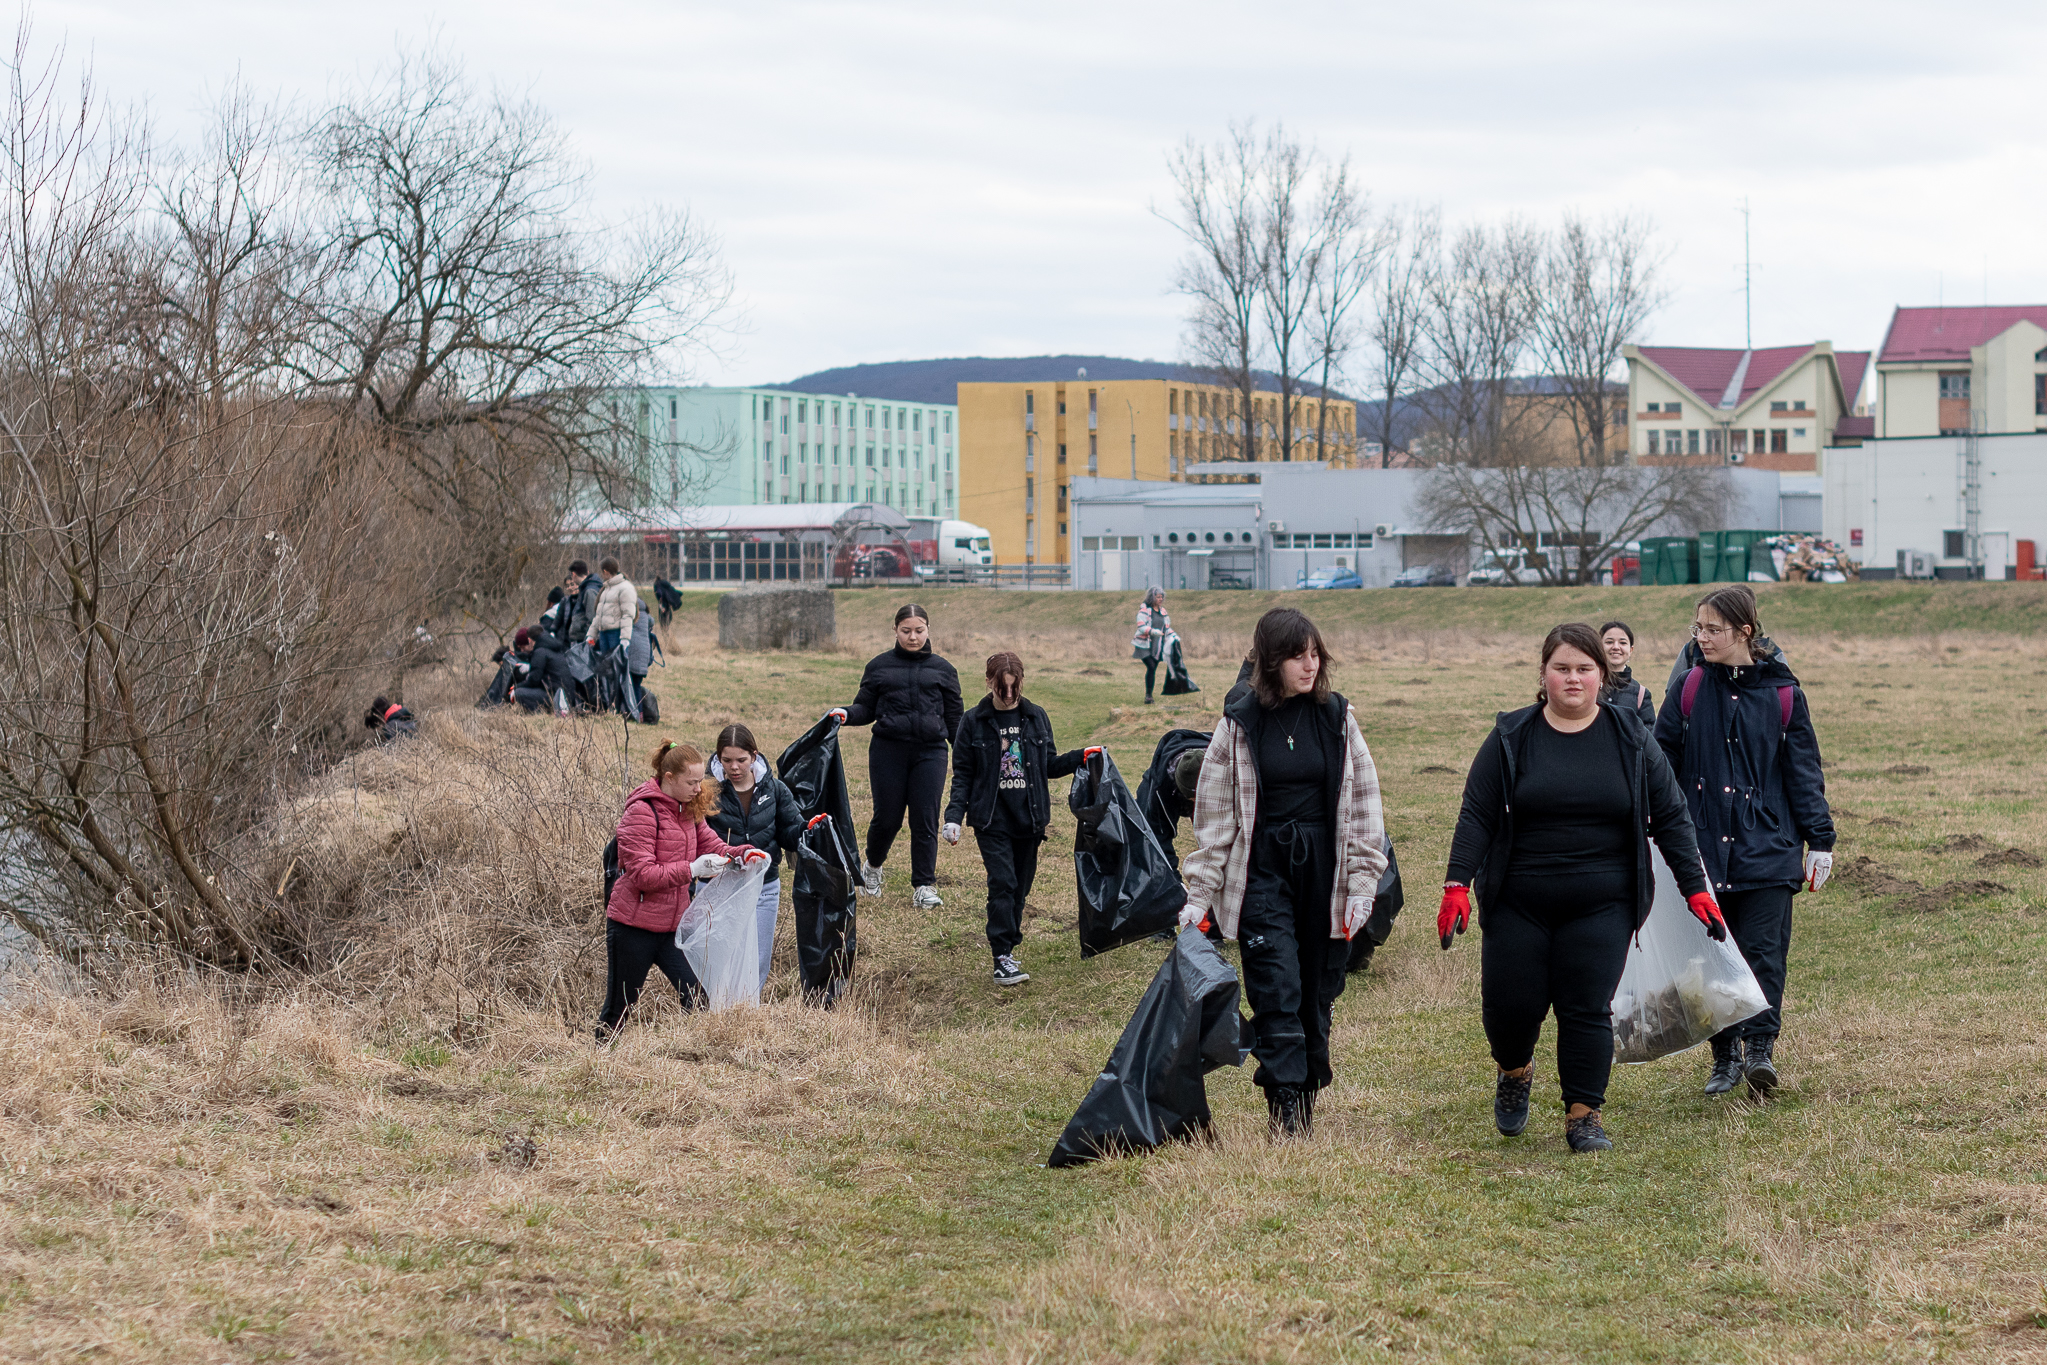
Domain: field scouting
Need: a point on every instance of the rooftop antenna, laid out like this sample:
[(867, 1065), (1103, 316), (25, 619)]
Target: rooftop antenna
[(1748, 296)]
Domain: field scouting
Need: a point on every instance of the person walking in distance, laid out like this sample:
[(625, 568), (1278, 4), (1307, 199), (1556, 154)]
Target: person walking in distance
[(1740, 737), (617, 604), (756, 809), (1289, 851), (663, 842), (1617, 642), (1559, 808), (911, 697), (1002, 756), (1149, 643)]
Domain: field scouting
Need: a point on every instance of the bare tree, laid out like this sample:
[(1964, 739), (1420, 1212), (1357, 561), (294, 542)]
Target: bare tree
[(1570, 520), (1401, 286), (1216, 209), (1592, 293), (1351, 249), (1294, 258), (1478, 324)]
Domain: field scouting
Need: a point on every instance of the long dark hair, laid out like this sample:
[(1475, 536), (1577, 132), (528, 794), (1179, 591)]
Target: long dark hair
[(1736, 605), (736, 736), (1582, 638), (1283, 634), (1623, 627)]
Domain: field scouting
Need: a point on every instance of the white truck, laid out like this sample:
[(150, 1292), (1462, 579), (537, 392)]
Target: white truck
[(1503, 568), (947, 548)]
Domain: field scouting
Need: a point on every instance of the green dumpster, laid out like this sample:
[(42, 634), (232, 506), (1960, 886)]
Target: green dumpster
[(1724, 555), (1670, 560)]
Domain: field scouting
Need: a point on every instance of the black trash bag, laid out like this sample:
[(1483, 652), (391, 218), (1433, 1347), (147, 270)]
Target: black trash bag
[(500, 690), (1177, 680), (814, 771), (827, 883), (1159, 796), (1129, 889), (615, 688), (1386, 903), (1151, 1091)]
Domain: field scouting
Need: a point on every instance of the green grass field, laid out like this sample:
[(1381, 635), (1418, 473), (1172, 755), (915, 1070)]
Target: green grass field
[(318, 1179)]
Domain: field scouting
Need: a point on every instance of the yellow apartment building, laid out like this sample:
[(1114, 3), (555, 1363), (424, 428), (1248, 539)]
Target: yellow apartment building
[(1021, 443)]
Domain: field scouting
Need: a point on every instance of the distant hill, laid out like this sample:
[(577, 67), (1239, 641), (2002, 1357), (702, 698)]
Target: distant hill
[(936, 381)]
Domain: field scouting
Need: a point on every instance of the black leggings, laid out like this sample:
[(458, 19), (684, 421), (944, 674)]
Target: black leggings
[(908, 779), (1759, 922), (1557, 942), (1151, 673), (630, 953), (1293, 970), (1012, 864)]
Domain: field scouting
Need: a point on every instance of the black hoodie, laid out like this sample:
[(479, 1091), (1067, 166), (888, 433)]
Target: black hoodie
[(910, 698)]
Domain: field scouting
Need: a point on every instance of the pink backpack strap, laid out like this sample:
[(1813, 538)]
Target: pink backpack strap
[(1691, 690), (1784, 704)]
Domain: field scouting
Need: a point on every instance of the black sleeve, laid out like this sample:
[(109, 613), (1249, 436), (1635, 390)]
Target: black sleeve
[(1478, 823), (861, 712), (788, 817), (1670, 725), (1066, 764), (952, 707), (1670, 824), (966, 769), (1805, 785)]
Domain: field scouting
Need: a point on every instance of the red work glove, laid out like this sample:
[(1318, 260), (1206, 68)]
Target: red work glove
[(1088, 753), (1708, 910), (817, 820), (1455, 914)]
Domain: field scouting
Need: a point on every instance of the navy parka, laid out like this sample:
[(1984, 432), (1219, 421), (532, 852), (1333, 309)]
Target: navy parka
[(1752, 783)]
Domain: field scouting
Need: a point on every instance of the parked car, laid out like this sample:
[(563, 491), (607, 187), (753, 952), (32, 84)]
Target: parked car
[(1425, 576), (1502, 568), (1335, 576)]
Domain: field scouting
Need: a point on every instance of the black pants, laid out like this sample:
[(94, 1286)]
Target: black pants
[(1012, 864), (1293, 970), (908, 780), (1151, 673), (1557, 943), (1759, 921), (629, 953)]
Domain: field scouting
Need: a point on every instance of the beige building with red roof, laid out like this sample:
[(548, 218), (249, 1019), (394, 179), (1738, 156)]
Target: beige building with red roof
[(1948, 371), (1772, 407)]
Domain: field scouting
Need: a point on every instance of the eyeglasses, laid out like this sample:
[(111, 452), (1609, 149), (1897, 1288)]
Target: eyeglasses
[(1710, 632)]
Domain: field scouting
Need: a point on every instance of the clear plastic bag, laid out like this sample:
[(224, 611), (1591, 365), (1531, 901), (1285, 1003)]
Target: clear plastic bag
[(1679, 987), (720, 935)]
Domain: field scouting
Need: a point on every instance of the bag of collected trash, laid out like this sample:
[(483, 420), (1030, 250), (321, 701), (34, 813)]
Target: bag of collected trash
[(1128, 888), (1177, 681), (1163, 798), (500, 690), (720, 935), (1386, 903), (1151, 1091), (1679, 987), (814, 771), (581, 667), (826, 885)]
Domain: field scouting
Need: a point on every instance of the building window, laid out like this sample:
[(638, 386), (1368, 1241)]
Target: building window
[(948, 424), (1954, 386), (1091, 453), (1737, 440), (1954, 544), (835, 414), (1062, 528), (2040, 395), (870, 457), (1777, 446), (1692, 441), (1713, 440), (1780, 407), (1798, 432), (1655, 441), (1091, 544), (1760, 440), (802, 411), (1030, 403)]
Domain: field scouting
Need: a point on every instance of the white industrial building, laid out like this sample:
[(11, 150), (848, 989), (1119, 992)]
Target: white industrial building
[(1935, 494)]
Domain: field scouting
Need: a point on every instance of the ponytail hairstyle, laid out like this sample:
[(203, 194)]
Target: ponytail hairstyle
[(1005, 676), (910, 609), (672, 758), (1736, 605), (736, 737), (1582, 638)]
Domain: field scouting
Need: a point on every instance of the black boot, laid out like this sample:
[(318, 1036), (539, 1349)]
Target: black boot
[(1288, 1113), (1761, 1068), (1510, 1103), (1726, 1065)]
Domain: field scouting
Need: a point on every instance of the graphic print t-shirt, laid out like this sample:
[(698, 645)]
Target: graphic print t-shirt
[(1012, 799)]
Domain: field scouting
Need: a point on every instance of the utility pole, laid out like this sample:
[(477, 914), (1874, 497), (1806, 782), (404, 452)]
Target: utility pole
[(1748, 297)]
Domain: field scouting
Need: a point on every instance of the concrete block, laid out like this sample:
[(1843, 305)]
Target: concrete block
[(777, 616)]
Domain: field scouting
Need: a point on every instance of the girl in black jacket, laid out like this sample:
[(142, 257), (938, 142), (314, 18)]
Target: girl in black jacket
[(755, 809), (1559, 808), (1740, 738), (912, 699), (1617, 640), (1001, 759)]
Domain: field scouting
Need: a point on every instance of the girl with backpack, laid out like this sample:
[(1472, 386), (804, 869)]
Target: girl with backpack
[(755, 808), (1741, 740), (1617, 640), (663, 842), (1559, 808), (911, 697)]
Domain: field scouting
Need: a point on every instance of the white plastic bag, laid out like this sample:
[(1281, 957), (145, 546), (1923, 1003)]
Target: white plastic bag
[(720, 935), (1679, 987)]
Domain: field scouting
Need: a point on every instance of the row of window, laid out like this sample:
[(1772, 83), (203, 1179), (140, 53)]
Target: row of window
[(1341, 540), (914, 421), (1739, 440), (850, 492), (903, 459)]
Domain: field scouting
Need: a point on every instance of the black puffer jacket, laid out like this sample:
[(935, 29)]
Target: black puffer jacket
[(977, 764), (909, 698), (773, 825), (1633, 695), (1484, 842), (1753, 783)]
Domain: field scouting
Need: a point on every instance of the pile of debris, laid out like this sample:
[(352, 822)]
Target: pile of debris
[(1810, 559)]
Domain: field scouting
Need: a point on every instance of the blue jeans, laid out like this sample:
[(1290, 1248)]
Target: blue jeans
[(607, 640)]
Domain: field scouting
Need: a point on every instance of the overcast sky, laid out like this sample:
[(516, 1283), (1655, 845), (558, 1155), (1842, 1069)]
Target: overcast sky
[(905, 180)]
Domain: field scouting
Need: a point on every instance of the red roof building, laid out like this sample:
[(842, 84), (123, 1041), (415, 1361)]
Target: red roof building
[(1774, 407), (1949, 371)]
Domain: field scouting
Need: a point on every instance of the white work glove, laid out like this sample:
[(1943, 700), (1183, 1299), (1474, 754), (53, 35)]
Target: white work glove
[(753, 857), (1192, 916), (951, 834), (708, 866), (837, 713), (1818, 867), (1356, 910)]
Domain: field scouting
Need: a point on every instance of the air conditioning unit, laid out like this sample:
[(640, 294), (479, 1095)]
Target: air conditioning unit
[(1382, 530), (1915, 564), (1736, 457), (1276, 528)]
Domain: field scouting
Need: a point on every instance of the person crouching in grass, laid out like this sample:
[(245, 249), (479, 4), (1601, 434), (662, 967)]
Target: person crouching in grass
[(1002, 757)]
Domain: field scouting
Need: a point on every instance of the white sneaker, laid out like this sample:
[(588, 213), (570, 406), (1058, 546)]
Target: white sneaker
[(1010, 972), (925, 898), (870, 879)]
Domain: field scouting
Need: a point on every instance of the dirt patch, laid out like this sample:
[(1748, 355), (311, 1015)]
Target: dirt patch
[(1094, 673), (1907, 770), (1886, 820), (1435, 768), (1871, 876), (2009, 857), (1393, 701), (1943, 897), (1960, 843)]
